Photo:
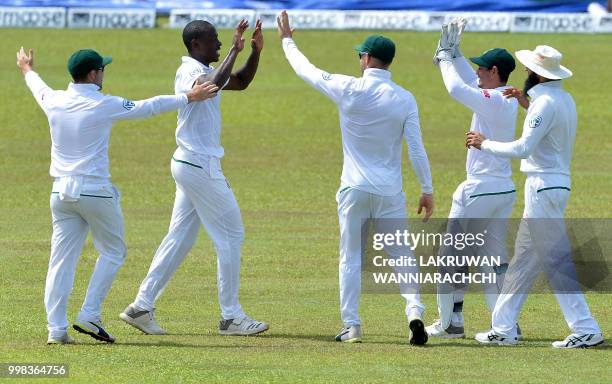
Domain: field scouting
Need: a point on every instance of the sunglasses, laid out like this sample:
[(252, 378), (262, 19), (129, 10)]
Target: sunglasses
[(360, 54)]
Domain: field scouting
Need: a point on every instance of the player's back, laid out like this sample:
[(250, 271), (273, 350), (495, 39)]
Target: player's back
[(80, 130), (373, 113)]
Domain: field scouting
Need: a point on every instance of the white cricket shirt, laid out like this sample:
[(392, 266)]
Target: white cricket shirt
[(494, 116), (549, 131), (80, 120), (199, 124), (375, 114)]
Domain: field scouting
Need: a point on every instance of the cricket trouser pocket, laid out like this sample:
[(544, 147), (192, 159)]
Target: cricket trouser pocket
[(210, 165), (546, 195), (483, 198)]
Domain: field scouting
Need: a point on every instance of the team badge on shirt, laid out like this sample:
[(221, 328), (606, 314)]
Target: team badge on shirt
[(486, 93), (535, 121), (195, 72), (129, 105), (326, 76)]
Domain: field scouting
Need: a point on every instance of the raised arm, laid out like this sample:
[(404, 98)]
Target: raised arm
[(220, 76), (331, 85), (40, 90), (241, 79), (123, 109), (482, 101), (464, 70)]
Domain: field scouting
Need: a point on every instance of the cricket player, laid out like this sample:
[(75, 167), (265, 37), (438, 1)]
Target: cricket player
[(83, 198), (545, 148), (375, 114), (203, 195), (484, 200)]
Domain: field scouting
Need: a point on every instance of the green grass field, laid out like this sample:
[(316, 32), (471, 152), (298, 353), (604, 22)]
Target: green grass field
[(283, 159)]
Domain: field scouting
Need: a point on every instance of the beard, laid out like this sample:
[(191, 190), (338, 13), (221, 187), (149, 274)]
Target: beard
[(531, 81)]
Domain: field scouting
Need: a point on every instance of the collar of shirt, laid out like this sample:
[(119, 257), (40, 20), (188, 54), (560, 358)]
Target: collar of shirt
[(83, 87), (189, 59), (543, 88), (376, 72)]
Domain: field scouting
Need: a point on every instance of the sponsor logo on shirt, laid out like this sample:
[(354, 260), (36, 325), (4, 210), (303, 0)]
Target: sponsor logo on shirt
[(535, 121), (486, 93), (129, 105), (326, 76), (196, 72)]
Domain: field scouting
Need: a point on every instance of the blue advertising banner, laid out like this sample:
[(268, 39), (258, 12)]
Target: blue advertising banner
[(146, 4), (165, 6), (565, 6)]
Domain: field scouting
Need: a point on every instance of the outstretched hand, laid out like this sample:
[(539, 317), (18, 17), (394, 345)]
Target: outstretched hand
[(518, 95), (284, 29), (202, 91), (238, 40), (474, 139), (513, 92), (257, 41), (450, 38), (25, 62)]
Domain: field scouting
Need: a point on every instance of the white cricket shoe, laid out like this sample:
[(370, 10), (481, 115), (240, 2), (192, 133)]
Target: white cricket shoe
[(242, 327), (452, 332), (64, 339), (494, 339), (142, 320), (580, 341), (94, 329), (350, 334)]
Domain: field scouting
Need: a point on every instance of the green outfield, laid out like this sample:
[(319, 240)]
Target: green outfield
[(283, 160)]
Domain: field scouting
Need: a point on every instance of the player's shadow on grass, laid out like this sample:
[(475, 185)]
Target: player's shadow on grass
[(174, 344), (372, 339), (548, 341)]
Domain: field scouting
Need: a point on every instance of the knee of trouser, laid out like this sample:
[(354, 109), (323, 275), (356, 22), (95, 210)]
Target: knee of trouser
[(229, 240), (350, 264), (115, 254)]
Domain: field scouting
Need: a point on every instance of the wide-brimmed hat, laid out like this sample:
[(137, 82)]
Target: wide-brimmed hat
[(545, 61)]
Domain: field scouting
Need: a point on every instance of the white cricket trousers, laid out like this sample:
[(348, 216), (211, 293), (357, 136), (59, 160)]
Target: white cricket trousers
[(97, 209), (203, 196), (354, 207), (476, 200), (542, 245)]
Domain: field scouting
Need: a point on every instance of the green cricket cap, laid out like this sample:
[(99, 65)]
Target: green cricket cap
[(498, 57), (85, 60), (379, 47)]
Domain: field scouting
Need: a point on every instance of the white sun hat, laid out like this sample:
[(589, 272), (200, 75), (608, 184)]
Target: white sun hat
[(545, 61)]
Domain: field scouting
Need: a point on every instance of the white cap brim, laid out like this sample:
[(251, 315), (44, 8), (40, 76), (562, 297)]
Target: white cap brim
[(527, 58)]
